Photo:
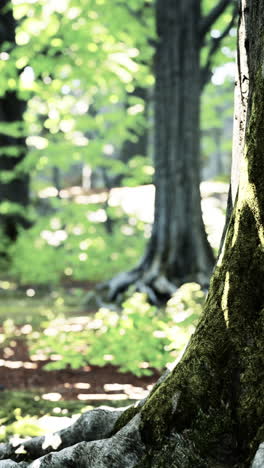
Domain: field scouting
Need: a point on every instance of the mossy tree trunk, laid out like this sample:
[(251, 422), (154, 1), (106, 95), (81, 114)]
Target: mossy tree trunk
[(178, 250), (13, 149), (208, 411)]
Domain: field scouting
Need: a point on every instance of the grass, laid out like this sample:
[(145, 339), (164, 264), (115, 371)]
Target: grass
[(27, 414)]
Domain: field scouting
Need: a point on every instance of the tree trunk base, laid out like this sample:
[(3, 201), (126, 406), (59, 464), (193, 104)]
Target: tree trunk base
[(95, 441), (158, 288)]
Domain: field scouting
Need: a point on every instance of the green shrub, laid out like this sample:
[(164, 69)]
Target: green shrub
[(137, 339), (69, 245)]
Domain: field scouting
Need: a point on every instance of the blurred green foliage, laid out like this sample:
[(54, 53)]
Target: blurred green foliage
[(20, 413), (139, 171), (78, 65), (216, 121), (74, 244), (136, 339), (24, 426)]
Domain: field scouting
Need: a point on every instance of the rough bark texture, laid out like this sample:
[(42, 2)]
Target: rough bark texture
[(178, 247), (11, 110), (208, 412)]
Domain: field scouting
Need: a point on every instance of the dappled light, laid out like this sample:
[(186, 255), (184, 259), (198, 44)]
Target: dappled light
[(225, 297), (82, 385), (51, 440), (51, 396), (101, 397)]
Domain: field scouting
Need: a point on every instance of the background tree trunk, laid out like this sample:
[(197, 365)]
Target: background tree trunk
[(11, 110), (178, 250)]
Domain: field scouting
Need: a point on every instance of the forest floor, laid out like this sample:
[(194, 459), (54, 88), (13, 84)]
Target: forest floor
[(25, 383), (33, 399), (90, 383)]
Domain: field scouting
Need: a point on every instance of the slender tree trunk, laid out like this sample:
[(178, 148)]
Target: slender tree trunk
[(17, 190), (11, 110)]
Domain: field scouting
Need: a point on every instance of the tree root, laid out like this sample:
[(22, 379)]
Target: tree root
[(92, 425), (123, 450), (258, 461), (113, 439), (155, 286)]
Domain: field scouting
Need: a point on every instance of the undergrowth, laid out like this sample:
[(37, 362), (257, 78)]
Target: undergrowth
[(136, 339)]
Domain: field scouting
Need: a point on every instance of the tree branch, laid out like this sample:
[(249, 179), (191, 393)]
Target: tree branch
[(213, 15), (214, 47)]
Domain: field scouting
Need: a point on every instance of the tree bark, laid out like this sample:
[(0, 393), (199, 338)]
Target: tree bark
[(11, 110), (178, 244), (208, 411), (178, 250)]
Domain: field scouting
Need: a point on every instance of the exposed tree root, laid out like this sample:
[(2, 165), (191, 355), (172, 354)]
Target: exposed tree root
[(123, 450), (156, 286), (184, 423), (93, 425), (88, 444), (258, 461), (153, 277)]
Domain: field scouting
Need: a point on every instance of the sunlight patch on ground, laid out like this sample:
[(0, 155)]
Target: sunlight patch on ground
[(128, 391), (30, 365), (51, 396), (30, 292), (17, 364), (16, 440), (39, 356), (51, 440), (26, 329), (82, 385), (55, 422), (133, 393), (102, 397), (48, 192), (11, 364)]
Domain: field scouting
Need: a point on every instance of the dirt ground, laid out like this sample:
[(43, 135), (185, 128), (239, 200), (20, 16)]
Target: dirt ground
[(88, 384)]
